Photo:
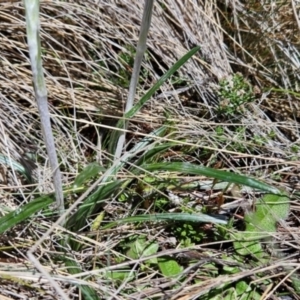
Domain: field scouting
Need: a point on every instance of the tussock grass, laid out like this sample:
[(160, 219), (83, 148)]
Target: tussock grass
[(87, 53)]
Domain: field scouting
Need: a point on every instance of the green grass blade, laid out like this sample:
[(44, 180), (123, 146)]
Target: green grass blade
[(87, 173), (151, 153), (189, 168), (182, 217), (159, 132), (78, 220), (107, 188), (24, 213), (73, 268), (132, 112), (153, 149), (160, 82), (16, 166)]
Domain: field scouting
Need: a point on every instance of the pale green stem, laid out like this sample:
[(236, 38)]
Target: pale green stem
[(33, 39), (140, 50)]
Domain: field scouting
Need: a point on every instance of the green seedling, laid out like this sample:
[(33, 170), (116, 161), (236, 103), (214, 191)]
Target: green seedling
[(233, 93)]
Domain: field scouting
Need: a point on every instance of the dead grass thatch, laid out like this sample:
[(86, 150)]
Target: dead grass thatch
[(85, 45)]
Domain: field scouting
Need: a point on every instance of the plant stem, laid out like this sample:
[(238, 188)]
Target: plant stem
[(33, 39), (140, 50)]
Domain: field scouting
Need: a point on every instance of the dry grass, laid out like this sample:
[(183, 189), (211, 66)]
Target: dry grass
[(84, 43)]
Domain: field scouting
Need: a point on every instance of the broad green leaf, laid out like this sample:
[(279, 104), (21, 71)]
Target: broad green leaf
[(141, 248), (254, 295), (296, 282), (272, 207), (218, 297), (168, 266), (87, 173), (242, 287), (151, 250), (229, 294), (261, 223), (188, 168), (136, 248), (231, 270), (24, 212), (245, 291), (246, 243)]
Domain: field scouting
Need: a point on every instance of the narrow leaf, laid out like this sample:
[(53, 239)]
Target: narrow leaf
[(79, 219), (16, 166), (73, 268), (184, 217), (132, 112), (24, 213), (87, 173), (188, 168)]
